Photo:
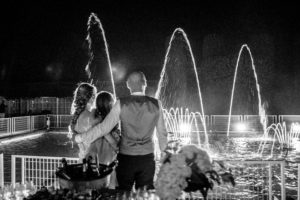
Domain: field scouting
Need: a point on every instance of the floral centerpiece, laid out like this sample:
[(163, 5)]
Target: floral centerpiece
[(188, 169), (17, 191)]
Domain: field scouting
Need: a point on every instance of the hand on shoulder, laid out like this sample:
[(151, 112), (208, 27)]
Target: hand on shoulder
[(78, 138)]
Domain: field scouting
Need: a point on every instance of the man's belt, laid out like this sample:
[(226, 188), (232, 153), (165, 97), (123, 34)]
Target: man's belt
[(133, 142)]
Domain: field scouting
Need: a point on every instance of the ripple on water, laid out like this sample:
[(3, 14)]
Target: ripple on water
[(46, 144)]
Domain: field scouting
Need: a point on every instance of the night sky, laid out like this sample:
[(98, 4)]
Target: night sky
[(43, 42)]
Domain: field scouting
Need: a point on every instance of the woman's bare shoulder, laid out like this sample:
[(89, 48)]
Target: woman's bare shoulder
[(84, 122), (85, 116)]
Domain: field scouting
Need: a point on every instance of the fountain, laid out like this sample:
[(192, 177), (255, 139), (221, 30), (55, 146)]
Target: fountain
[(281, 135), (179, 88), (182, 124), (99, 55), (262, 112)]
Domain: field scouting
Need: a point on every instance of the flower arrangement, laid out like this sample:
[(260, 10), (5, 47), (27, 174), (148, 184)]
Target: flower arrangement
[(17, 191), (171, 179), (189, 169)]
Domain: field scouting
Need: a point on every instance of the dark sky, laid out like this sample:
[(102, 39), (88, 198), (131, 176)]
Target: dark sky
[(40, 34)]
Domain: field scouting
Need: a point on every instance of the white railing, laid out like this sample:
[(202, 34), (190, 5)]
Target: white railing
[(1, 171), (38, 122), (289, 119), (200, 124), (254, 179), (60, 121), (37, 105), (20, 124), (220, 122), (16, 125), (298, 182), (254, 124), (39, 169), (5, 126), (63, 105)]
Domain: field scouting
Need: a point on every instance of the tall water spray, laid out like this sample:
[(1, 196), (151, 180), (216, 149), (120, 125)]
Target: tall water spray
[(179, 86), (99, 61), (261, 109)]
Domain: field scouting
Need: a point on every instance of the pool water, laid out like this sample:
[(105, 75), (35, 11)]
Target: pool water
[(246, 148), (41, 144), (235, 148)]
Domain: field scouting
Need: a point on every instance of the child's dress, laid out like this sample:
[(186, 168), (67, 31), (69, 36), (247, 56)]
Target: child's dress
[(104, 148)]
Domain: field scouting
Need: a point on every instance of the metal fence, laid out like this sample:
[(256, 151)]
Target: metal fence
[(298, 182), (40, 105), (18, 125), (289, 119), (38, 122), (254, 124), (1, 171), (38, 169), (216, 123), (220, 122), (60, 121), (200, 126), (254, 179), (64, 105), (5, 126)]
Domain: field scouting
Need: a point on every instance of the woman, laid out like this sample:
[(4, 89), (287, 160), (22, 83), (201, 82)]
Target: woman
[(85, 116), (104, 148), (81, 110)]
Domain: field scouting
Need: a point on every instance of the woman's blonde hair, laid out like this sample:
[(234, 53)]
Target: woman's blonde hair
[(82, 94)]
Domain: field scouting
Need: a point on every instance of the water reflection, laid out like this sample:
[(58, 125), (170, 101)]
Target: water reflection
[(47, 144)]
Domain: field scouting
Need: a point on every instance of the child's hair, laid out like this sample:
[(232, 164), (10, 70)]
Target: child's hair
[(104, 102), (83, 93)]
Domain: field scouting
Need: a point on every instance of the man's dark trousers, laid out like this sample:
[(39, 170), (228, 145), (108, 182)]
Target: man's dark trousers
[(138, 169)]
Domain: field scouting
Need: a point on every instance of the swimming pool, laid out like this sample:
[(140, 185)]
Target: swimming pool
[(39, 144)]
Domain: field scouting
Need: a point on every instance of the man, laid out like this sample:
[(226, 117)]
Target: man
[(139, 116)]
